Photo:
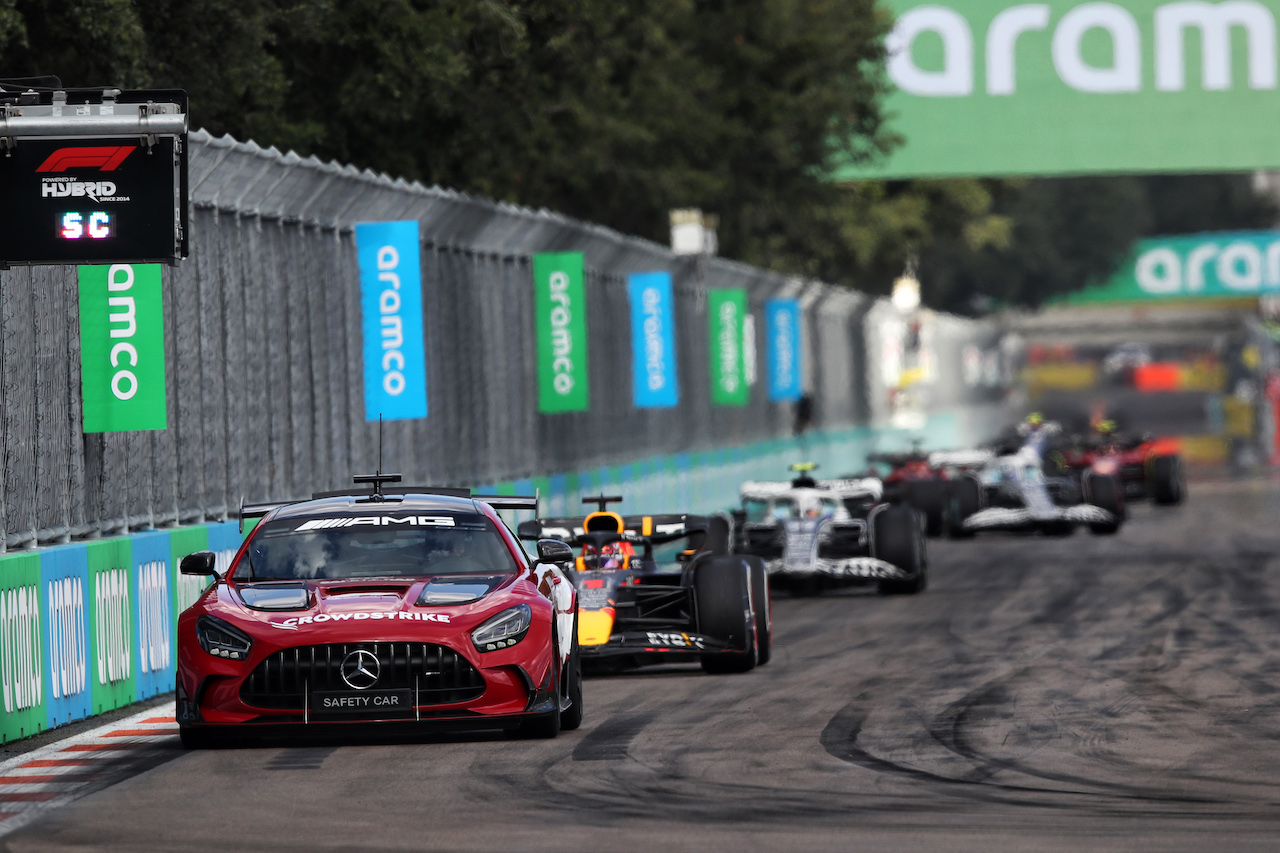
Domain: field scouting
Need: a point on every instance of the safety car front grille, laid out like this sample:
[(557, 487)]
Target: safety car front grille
[(439, 675)]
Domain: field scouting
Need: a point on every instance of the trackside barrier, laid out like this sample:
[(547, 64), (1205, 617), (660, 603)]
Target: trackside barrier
[(89, 627)]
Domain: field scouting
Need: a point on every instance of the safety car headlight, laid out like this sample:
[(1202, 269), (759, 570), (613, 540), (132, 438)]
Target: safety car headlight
[(504, 630), (222, 640)]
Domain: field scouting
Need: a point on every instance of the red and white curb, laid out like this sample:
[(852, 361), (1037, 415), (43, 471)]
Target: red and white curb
[(36, 782)]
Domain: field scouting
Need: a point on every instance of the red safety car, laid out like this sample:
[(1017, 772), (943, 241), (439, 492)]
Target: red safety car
[(395, 605)]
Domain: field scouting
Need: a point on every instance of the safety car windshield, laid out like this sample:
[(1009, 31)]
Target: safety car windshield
[(394, 544)]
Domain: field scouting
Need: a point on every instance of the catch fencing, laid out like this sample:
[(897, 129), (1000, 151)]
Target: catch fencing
[(264, 360)]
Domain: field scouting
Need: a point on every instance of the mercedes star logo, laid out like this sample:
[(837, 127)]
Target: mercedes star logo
[(360, 669)]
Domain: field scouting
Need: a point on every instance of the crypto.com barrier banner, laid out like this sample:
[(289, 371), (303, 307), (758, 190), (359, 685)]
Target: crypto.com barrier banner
[(122, 347), (998, 87), (561, 307), (653, 340), (395, 363), (1214, 265), (782, 325), (726, 313)]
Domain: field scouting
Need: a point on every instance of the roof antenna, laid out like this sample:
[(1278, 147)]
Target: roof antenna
[(377, 480)]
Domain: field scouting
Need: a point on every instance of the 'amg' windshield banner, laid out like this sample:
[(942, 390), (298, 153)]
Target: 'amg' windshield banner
[(653, 340), (122, 347), (395, 361), (782, 318), (562, 332), (726, 311)]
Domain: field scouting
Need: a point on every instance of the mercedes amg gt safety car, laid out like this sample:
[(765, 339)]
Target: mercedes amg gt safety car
[(391, 605), (814, 535), (1009, 491), (662, 588)]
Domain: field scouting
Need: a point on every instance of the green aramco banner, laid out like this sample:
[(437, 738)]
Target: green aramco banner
[(562, 332), (122, 347), (1213, 265), (727, 314), (996, 87)]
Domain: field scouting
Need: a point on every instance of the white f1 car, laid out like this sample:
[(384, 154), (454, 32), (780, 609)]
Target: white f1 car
[(1006, 489), (815, 535)]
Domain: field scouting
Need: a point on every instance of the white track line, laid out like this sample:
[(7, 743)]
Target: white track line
[(68, 769)]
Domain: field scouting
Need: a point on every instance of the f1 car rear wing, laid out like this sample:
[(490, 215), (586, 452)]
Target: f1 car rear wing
[(758, 490), (961, 458)]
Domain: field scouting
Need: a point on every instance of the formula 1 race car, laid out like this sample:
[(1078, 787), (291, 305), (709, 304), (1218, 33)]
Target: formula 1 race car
[(815, 535), (1009, 491), (914, 480), (391, 605), (1148, 469), (662, 588)]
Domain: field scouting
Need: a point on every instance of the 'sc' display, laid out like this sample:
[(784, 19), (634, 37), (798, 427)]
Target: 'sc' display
[(93, 176)]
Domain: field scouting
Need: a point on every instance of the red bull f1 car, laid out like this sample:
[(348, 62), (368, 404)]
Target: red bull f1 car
[(662, 588), (380, 606)]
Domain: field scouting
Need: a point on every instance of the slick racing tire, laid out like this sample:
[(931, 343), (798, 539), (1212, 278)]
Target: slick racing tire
[(897, 539), (965, 498), (1166, 480), (1105, 492), (720, 585), (761, 605), (571, 717), (929, 497)]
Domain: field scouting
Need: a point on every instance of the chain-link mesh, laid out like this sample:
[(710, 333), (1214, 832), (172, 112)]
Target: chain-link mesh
[(263, 356)]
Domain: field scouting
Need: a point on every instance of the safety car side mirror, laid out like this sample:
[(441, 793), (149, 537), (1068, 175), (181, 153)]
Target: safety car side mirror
[(554, 551), (201, 563)]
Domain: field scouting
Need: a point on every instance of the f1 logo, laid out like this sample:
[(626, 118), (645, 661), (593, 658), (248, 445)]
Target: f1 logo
[(105, 158)]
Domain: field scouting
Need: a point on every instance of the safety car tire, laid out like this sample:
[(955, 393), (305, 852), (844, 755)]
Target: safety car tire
[(571, 717)]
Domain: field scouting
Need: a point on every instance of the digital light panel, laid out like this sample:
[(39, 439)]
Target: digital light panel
[(87, 225)]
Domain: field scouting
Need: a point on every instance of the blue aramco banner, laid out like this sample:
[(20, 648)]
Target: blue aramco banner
[(653, 340), (395, 368), (782, 317)]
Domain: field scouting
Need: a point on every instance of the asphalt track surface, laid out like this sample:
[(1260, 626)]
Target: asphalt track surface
[(1043, 694)]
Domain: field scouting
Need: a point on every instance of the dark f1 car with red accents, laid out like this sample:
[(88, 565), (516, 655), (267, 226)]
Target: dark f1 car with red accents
[(381, 606), (660, 588), (912, 479), (1147, 468)]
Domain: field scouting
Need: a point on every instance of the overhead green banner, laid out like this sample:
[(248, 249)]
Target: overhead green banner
[(122, 348), (727, 311), (561, 306), (1215, 265), (996, 87)]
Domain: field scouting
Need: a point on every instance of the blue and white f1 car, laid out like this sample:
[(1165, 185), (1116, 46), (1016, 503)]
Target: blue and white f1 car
[(816, 535)]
